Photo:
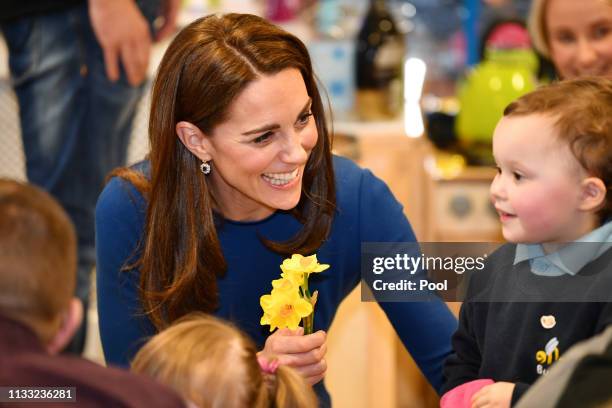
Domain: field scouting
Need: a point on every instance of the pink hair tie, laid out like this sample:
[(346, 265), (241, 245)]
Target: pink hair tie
[(268, 366)]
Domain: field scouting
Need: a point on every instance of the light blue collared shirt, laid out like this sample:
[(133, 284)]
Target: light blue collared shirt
[(571, 258)]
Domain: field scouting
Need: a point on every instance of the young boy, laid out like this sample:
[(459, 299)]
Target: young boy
[(38, 314), (553, 150)]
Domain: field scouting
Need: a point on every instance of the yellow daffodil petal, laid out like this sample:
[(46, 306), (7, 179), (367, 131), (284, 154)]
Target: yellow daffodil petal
[(307, 261), (265, 319), (303, 264), (284, 284), (321, 267), (266, 302), (296, 277), (302, 308), (285, 309)]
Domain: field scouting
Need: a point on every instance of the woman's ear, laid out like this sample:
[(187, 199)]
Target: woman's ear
[(194, 140), (593, 194)]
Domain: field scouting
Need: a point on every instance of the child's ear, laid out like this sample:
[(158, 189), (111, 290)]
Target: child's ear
[(194, 140), (70, 321), (593, 194)]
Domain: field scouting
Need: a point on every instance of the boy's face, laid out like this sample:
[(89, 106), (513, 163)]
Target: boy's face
[(537, 189)]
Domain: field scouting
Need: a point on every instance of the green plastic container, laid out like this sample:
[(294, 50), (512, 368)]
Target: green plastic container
[(502, 77)]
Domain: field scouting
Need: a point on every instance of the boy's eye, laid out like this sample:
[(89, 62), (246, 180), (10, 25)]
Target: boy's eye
[(262, 138), (305, 118), (517, 176), (498, 169)]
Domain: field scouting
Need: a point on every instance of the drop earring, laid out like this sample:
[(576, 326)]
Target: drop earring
[(205, 167)]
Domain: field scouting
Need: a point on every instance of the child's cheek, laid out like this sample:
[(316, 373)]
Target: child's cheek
[(534, 211)]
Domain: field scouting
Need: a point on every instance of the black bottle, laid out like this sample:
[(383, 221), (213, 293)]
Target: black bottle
[(379, 59)]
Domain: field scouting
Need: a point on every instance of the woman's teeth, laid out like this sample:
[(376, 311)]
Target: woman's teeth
[(279, 179)]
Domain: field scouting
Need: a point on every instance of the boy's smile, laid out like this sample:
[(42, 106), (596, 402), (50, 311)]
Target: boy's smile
[(537, 191)]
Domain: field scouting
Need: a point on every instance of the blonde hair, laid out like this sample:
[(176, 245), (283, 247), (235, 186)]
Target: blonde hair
[(582, 109), (536, 23), (213, 364), (37, 257)]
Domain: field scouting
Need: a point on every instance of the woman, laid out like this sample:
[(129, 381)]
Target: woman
[(575, 35), (240, 175)]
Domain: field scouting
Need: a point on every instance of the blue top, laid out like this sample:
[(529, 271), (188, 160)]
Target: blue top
[(570, 258), (366, 212)]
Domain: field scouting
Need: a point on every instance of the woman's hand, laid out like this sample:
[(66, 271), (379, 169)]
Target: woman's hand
[(303, 353)]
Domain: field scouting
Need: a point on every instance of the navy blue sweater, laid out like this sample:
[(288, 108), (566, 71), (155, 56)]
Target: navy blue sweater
[(506, 341)]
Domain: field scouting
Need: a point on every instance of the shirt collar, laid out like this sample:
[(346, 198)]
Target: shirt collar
[(571, 258)]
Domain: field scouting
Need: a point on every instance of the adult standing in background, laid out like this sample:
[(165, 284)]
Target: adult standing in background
[(575, 35), (78, 69)]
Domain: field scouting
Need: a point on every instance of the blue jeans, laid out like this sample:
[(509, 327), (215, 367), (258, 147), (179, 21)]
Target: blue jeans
[(75, 123)]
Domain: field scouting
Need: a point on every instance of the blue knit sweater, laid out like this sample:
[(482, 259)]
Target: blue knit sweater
[(366, 212)]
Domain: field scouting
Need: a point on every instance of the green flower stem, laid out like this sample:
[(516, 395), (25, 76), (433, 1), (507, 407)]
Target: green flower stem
[(308, 321)]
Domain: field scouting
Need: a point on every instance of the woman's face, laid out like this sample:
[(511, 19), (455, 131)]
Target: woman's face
[(580, 37), (259, 153)]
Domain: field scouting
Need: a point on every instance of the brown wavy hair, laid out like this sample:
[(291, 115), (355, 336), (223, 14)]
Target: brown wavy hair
[(213, 364), (582, 109), (207, 65)]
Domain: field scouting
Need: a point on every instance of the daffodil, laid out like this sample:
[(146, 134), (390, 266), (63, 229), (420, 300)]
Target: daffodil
[(284, 309), (290, 300), (304, 264), (297, 266)]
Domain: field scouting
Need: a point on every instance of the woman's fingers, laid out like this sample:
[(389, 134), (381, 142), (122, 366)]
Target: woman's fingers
[(303, 353), (314, 380), (313, 370), (284, 343), (303, 359)]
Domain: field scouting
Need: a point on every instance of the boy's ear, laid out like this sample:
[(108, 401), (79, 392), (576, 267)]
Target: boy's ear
[(194, 140), (70, 321), (593, 194)]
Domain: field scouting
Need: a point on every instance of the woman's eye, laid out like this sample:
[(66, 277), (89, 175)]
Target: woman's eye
[(262, 138), (305, 118), (564, 37), (601, 32)]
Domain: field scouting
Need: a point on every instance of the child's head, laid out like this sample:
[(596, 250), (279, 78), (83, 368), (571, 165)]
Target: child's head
[(210, 363), (553, 149), (37, 263)]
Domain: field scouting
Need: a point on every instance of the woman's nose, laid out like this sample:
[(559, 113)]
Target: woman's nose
[(587, 55), (293, 149)]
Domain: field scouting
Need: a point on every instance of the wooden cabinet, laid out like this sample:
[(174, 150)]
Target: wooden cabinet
[(460, 208), (368, 365)]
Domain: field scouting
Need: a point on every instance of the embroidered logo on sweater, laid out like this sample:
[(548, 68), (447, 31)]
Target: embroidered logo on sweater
[(545, 358)]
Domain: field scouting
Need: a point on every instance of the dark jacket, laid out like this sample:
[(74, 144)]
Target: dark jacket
[(25, 363)]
